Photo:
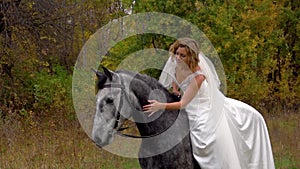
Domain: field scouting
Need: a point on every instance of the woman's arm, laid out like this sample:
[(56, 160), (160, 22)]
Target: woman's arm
[(190, 93)]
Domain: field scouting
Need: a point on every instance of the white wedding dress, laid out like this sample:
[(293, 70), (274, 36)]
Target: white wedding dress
[(232, 136)]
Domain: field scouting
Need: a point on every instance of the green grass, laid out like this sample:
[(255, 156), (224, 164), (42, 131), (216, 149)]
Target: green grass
[(285, 139), (286, 161)]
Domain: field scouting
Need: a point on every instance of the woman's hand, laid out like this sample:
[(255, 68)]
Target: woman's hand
[(153, 107), (177, 93)]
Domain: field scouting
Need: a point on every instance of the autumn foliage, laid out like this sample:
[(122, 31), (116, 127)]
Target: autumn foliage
[(257, 42)]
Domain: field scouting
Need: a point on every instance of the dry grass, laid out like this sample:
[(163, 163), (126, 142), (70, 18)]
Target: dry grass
[(50, 144), (285, 138), (60, 143)]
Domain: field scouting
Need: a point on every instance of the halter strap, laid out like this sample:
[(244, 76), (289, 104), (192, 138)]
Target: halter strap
[(114, 85)]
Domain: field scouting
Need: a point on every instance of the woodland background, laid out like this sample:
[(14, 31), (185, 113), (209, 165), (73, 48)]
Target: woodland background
[(257, 42)]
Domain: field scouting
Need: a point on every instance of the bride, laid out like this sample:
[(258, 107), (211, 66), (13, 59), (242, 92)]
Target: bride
[(225, 133)]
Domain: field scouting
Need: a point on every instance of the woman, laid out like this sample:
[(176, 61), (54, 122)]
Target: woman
[(225, 133)]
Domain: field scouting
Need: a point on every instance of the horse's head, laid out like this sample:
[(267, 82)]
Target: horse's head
[(109, 102), (120, 96)]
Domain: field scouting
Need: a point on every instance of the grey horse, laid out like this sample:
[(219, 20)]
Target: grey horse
[(165, 135)]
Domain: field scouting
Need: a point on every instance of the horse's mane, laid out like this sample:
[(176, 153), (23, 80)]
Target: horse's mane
[(151, 82), (141, 82)]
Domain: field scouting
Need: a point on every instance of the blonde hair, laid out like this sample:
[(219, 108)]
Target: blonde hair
[(192, 49)]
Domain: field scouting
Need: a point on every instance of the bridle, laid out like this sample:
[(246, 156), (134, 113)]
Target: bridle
[(125, 95)]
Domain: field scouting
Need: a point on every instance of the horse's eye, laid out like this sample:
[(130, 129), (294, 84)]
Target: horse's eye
[(109, 101)]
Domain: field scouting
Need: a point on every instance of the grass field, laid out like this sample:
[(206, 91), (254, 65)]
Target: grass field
[(285, 139), (62, 144)]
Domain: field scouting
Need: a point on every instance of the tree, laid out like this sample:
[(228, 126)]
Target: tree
[(36, 36)]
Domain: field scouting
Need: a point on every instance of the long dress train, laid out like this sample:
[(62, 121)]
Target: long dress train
[(238, 139)]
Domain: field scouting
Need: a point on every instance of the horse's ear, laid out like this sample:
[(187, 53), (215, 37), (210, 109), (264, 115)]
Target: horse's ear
[(108, 73), (99, 74)]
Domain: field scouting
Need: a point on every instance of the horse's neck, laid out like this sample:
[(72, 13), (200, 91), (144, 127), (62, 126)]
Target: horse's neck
[(140, 92)]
